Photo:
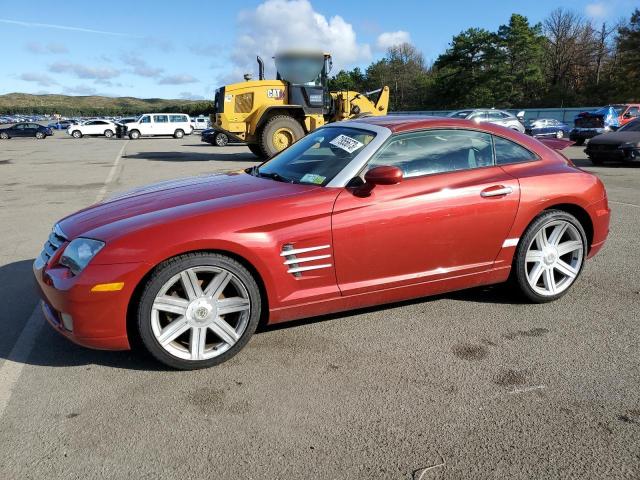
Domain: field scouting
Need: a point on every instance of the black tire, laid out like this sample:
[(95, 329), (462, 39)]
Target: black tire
[(596, 161), (4, 136), (178, 133), (76, 134), (221, 139), (256, 150), (167, 269), (519, 270), (273, 125), (579, 142), (134, 134), (108, 133)]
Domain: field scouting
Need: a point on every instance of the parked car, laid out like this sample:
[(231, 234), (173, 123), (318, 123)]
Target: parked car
[(94, 128), (627, 112), (547, 127), (200, 123), (499, 117), (590, 124), (62, 124), (355, 214), (153, 124), (25, 130), (621, 145), (216, 138)]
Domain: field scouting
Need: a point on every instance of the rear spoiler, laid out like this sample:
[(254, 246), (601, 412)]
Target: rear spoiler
[(556, 143)]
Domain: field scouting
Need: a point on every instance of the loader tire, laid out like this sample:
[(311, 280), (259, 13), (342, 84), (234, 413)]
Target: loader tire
[(256, 150), (279, 133)]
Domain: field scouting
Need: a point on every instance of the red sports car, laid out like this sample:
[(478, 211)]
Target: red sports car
[(355, 214)]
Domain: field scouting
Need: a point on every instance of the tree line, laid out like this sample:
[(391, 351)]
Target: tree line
[(565, 60)]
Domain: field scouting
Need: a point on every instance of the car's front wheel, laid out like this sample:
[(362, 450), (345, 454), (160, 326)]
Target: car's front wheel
[(221, 139), (550, 256), (134, 134), (76, 134), (108, 133), (40, 135), (559, 134), (4, 135), (198, 310)]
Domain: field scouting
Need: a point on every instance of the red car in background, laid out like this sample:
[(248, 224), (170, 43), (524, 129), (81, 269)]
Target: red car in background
[(355, 214), (627, 112)]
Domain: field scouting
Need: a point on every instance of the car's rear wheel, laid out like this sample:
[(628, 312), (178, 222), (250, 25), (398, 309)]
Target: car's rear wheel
[(178, 133), (4, 135), (108, 133), (198, 310), (579, 142), (559, 134), (221, 139), (550, 256), (76, 134), (134, 134)]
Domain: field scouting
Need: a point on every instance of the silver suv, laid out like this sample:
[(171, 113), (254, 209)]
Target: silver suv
[(499, 117)]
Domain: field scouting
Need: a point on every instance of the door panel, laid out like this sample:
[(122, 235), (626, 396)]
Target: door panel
[(422, 229)]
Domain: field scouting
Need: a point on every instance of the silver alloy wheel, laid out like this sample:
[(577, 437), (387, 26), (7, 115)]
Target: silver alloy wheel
[(77, 134), (200, 313), (39, 135), (554, 258), (108, 133), (559, 134), (4, 135)]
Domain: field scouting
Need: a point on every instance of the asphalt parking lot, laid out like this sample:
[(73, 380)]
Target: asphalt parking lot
[(466, 385)]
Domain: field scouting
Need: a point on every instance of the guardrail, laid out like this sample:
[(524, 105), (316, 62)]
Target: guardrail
[(565, 115)]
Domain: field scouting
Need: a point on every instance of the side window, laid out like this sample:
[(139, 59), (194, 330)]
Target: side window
[(99, 122), (510, 152), (160, 118), (145, 119), (19, 127), (633, 111), (495, 116), (479, 116), (436, 151), (176, 118)]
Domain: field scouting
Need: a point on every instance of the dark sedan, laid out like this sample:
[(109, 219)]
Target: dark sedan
[(25, 130), (547, 127), (216, 138), (621, 145)]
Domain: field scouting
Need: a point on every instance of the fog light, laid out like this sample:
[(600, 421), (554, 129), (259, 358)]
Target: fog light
[(67, 321)]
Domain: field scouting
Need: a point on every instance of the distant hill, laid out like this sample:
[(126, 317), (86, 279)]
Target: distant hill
[(24, 103)]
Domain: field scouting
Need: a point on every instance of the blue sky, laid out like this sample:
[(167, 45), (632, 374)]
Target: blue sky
[(153, 49)]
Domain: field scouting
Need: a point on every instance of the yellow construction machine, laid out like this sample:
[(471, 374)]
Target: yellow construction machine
[(270, 115)]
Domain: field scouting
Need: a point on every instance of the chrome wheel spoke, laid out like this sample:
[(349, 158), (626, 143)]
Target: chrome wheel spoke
[(534, 275), (568, 247), (557, 233), (566, 269), (549, 280), (173, 330), (534, 256), (217, 285), (232, 305), (171, 304), (197, 342), (191, 284), (541, 239), (225, 331)]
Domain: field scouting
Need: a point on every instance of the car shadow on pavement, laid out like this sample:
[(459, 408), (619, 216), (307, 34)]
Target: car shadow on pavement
[(193, 157), (52, 350)]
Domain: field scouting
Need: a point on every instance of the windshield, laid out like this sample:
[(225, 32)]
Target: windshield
[(300, 69), (631, 127), (619, 109), (317, 158), (460, 114)]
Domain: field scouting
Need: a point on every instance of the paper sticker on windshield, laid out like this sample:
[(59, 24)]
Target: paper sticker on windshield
[(347, 144), (313, 178)]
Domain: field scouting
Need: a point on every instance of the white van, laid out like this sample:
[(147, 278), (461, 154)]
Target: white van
[(175, 124), (200, 123)]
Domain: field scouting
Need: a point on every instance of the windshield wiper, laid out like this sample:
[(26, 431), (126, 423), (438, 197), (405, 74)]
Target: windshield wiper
[(274, 176)]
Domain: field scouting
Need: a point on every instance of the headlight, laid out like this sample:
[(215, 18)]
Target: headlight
[(79, 253)]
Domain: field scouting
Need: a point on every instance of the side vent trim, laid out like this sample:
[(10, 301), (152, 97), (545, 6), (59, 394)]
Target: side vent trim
[(292, 261)]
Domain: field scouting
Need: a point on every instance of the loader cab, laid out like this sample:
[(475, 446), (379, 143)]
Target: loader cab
[(307, 76)]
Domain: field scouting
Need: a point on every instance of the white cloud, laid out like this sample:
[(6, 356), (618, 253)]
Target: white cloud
[(140, 66), (277, 25), (36, 47), (80, 90), (179, 79), (597, 10), (41, 79), (391, 39), (84, 71), (190, 96)]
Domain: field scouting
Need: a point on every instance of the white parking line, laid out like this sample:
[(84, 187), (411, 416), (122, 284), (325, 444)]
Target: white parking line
[(11, 369)]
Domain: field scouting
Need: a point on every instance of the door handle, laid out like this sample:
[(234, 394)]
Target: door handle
[(496, 191)]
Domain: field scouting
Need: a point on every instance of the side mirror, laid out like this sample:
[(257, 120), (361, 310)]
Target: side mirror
[(385, 175)]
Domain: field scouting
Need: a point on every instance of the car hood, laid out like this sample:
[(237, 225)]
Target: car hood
[(161, 202), (615, 138)]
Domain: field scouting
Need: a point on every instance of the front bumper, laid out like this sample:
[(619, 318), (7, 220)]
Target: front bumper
[(92, 319), (600, 214), (627, 154), (585, 133)]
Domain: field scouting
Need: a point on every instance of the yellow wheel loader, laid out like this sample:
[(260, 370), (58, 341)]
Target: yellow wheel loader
[(270, 115)]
